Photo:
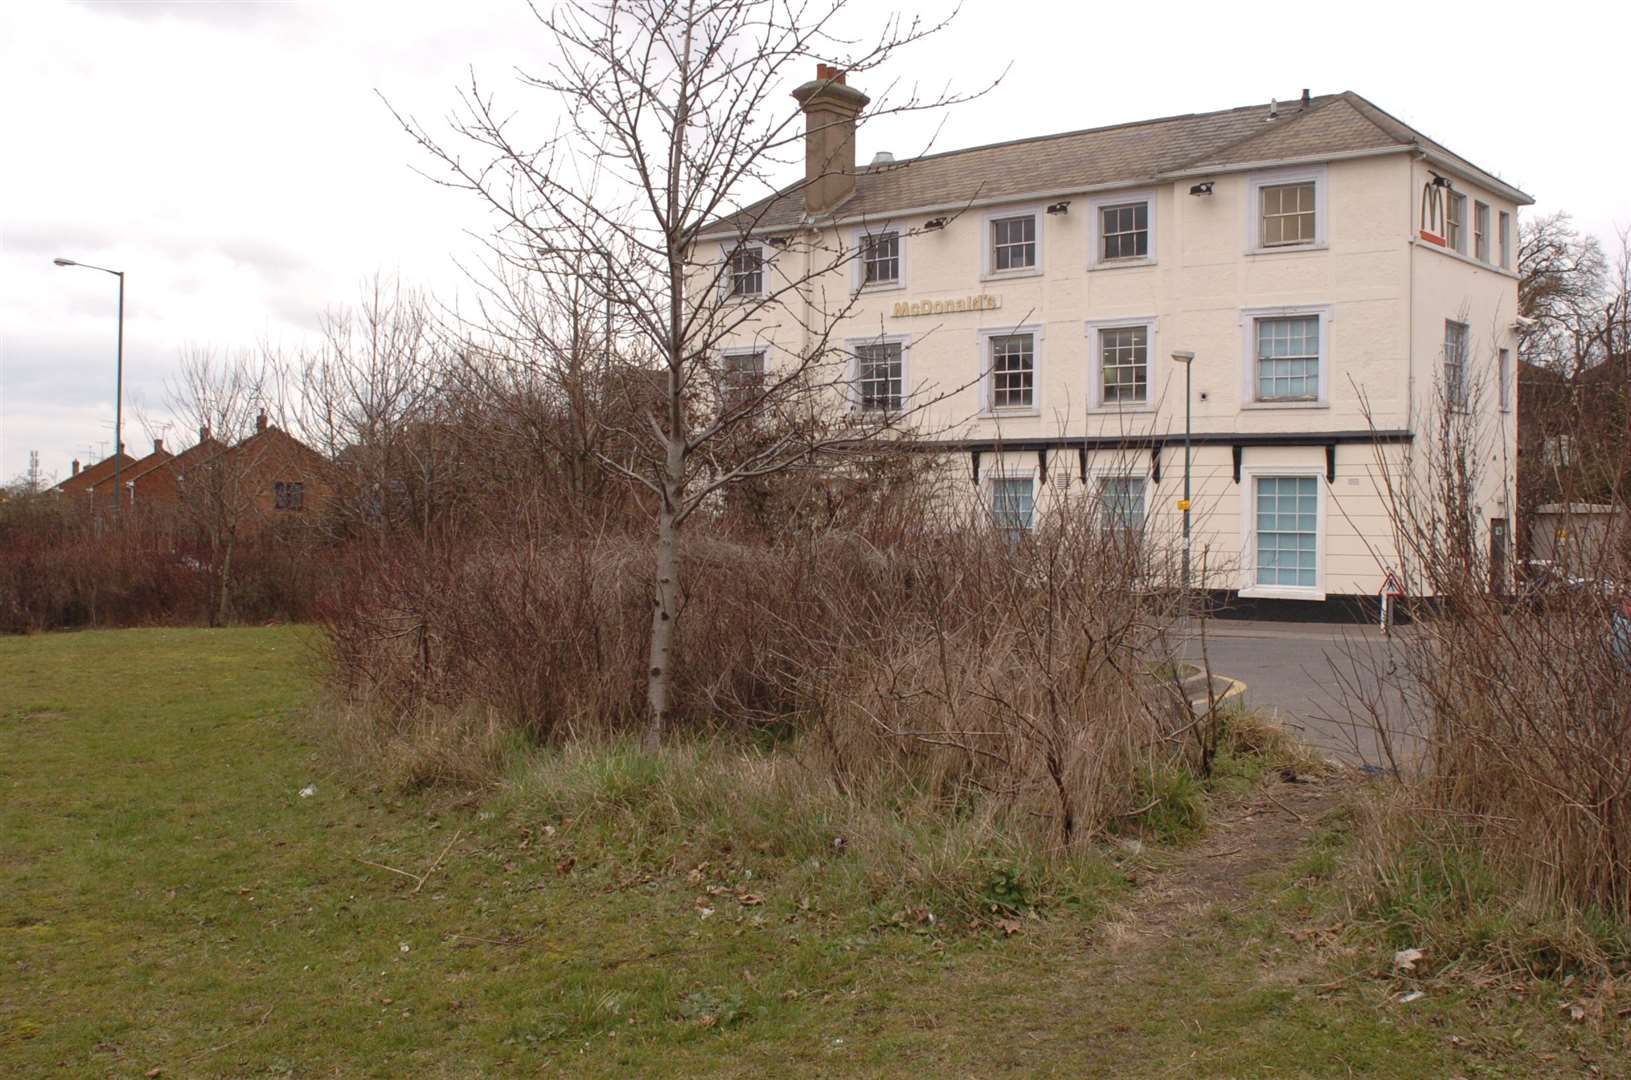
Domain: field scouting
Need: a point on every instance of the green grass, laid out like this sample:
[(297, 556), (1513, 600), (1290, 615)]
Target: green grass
[(168, 900)]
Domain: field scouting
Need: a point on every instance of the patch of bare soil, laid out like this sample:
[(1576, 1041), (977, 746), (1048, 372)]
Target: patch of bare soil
[(1242, 843)]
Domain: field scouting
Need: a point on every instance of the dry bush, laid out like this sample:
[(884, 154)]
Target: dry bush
[(902, 643), (1516, 789), (64, 566)]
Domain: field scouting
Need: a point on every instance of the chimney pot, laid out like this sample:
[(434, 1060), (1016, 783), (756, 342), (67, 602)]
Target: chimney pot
[(883, 157)]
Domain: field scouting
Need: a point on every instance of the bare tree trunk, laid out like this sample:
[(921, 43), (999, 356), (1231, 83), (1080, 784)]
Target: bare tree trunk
[(666, 593), (224, 612)]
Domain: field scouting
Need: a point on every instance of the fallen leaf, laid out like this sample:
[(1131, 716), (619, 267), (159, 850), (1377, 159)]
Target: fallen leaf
[(750, 899), (1009, 927), (565, 865), (1405, 959)]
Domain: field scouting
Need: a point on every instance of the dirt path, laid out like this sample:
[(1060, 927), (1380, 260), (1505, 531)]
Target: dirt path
[(1241, 844)]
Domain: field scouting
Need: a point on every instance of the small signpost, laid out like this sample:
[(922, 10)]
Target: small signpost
[(1390, 591)]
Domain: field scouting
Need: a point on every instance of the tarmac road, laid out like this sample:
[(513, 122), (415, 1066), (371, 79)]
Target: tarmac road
[(1333, 685)]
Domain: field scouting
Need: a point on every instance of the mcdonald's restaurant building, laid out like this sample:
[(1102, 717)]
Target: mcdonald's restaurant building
[(1345, 286)]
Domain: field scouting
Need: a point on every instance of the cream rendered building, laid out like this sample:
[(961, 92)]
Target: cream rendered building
[(1333, 271)]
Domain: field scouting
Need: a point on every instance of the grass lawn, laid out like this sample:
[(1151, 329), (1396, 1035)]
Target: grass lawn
[(170, 901)]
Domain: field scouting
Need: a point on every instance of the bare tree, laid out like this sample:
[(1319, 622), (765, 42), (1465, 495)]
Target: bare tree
[(1562, 276), (222, 398), (675, 115)]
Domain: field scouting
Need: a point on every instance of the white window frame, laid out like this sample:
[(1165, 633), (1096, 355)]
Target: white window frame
[(1248, 322), (741, 350), (984, 337), (1095, 251), (852, 345), (1256, 182), (1504, 238), (1012, 473), (1094, 329), (858, 275), (1098, 477), (1455, 227), (1481, 223), (1249, 475), (988, 260), (1463, 401), (727, 279)]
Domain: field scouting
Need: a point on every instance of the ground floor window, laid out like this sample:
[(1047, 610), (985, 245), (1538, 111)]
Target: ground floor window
[(1288, 531), (1121, 499), (1013, 504)]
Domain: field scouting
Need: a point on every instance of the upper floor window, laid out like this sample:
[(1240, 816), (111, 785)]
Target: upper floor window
[(743, 375), (1288, 358), (1288, 214), (745, 272), (1124, 231), (880, 258), (1013, 371), (1505, 239), (1480, 231), (880, 376), (1455, 364), (288, 495), (1013, 244), (1124, 365), (1286, 209), (1013, 504), (1455, 222)]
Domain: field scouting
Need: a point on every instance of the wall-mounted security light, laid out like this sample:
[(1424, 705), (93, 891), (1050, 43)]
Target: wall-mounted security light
[(1060, 207), (778, 241), (1441, 181), (935, 223), (1202, 188)]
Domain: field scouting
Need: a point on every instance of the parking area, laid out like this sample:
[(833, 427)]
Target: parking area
[(1334, 685)]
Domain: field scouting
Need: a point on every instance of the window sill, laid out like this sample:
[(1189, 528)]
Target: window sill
[(1120, 264), (1288, 249), (1007, 414), (1008, 275), (1462, 256), (1252, 406), (881, 286), (1281, 592), (1111, 409)]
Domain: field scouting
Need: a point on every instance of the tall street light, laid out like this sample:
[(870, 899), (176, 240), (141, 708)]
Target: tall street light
[(118, 383), (1188, 360)]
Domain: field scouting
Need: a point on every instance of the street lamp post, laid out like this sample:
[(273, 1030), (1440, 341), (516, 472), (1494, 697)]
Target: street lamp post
[(118, 384), (1188, 360)]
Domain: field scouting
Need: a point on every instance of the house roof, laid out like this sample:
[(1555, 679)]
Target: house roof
[(130, 472), (202, 450), (92, 475), (1122, 155)]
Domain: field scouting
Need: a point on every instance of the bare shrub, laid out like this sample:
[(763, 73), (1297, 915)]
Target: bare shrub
[(1517, 789)]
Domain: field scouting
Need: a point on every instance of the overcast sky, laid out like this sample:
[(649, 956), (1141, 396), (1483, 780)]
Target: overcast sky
[(233, 157)]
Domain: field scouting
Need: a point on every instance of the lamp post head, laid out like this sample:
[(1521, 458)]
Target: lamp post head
[(1183, 357), (65, 262)]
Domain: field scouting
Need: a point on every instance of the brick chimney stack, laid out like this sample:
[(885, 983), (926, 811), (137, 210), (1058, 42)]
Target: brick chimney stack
[(204, 434), (830, 110), (76, 468), (158, 446), (260, 422)]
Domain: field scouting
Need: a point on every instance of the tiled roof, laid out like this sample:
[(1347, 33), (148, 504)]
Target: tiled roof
[(1123, 155)]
